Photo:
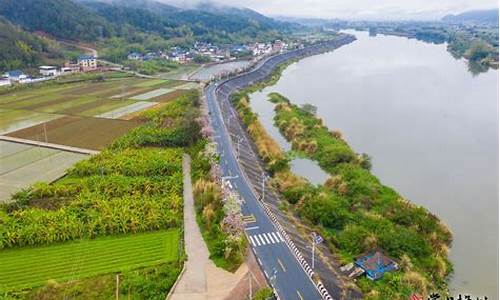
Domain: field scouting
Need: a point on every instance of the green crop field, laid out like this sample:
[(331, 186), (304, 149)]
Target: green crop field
[(33, 266)]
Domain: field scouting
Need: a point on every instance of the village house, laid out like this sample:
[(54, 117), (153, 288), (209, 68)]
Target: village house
[(16, 76), (135, 56), (48, 71), (87, 62)]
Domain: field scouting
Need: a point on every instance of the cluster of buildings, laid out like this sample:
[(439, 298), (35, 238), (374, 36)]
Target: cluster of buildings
[(84, 63), (214, 53)]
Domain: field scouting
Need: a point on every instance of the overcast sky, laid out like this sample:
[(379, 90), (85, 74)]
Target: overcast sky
[(361, 9)]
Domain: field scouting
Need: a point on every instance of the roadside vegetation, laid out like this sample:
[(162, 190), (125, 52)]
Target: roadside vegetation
[(352, 210), (217, 208), (127, 199)]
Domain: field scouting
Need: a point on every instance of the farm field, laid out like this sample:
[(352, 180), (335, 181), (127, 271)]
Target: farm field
[(33, 266), (20, 166), (81, 132), (31, 106)]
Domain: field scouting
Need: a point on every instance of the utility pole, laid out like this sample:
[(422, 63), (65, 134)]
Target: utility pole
[(263, 185), (250, 285), (45, 132), (313, 246), (117, 290)]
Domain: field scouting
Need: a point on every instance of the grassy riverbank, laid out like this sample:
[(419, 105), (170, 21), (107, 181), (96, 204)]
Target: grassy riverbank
[(352, 210)]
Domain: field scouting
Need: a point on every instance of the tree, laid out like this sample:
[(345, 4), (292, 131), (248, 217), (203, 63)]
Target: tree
[(201, 59), (310, 108), (366, 161)]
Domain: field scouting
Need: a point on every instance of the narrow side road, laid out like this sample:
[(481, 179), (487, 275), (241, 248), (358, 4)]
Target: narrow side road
[(201, 278)]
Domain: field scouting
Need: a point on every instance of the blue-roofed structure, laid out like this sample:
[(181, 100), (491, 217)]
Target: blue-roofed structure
[(375, 264)]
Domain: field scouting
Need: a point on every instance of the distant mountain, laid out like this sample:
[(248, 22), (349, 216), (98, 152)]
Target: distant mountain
[(476, 16)]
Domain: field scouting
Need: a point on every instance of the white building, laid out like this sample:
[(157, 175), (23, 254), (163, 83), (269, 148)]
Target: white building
[(4, 82), (48, 70)]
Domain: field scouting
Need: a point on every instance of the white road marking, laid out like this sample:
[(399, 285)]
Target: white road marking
[(267, 240), (251, 240), (257, 240), (262, 239), (271, 238), (252, 228)]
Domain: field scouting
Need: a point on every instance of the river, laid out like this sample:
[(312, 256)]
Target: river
[(430, 126)]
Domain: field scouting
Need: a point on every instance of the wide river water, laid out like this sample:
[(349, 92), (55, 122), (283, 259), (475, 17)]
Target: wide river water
[(430, 126)]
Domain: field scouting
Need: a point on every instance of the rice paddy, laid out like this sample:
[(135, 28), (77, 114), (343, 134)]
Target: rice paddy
[(22, 165), (34, 266)]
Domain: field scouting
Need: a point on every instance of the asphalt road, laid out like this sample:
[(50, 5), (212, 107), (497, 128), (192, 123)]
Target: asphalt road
[(289, 277)]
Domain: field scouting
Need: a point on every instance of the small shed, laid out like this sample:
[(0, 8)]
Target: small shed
[(375, 264)]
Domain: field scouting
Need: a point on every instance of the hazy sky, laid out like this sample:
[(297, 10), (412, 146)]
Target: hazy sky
[(360, 9)]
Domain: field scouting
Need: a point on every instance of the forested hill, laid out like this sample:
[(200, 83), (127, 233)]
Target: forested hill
[(20, 49), (90, 20), (59, 18)]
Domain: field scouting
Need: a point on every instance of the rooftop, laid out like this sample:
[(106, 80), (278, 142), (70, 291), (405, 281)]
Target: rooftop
[(376, 264)]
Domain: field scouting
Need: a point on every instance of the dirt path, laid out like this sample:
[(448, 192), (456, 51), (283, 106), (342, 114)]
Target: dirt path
[(201, 279)]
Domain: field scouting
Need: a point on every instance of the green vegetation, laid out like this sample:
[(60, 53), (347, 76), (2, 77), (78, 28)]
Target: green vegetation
[(263, 294), (153, 66), (218, 212), (20, 49), (24, 268), (221, 231), (142, 283), (356, 213), (131, 187)]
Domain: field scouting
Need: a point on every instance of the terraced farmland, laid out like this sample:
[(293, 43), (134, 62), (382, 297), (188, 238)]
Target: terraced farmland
[(31, 106), (83, 113), (30, 267)]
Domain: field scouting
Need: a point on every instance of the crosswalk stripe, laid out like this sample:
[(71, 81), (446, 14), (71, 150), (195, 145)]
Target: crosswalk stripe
[(251, 240), (271, 238), (267, 240), (261, 239)]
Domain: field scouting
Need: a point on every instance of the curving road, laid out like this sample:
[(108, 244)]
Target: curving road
[(286, 270)]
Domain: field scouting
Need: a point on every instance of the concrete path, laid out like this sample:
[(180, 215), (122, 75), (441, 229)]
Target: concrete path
[(201, 280)]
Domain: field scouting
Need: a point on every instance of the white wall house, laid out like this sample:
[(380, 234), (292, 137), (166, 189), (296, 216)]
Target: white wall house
[(87, 62), (48, 70)]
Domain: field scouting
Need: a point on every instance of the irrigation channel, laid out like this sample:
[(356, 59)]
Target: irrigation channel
[(430, 125)]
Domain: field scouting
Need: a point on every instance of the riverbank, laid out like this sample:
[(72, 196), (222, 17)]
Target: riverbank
[(353, 210)]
